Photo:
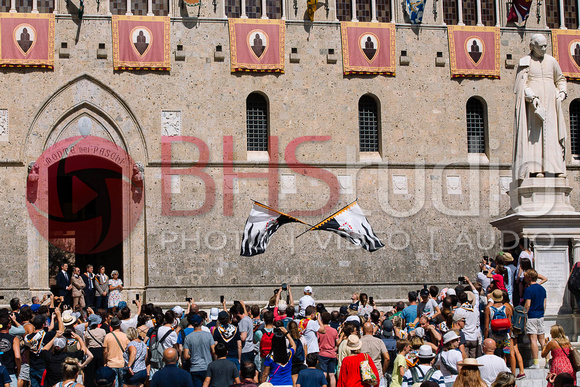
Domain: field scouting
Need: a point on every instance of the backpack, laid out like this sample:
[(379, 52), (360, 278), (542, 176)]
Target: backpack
[(156, 350), (519, 319), (574, 280), (499, 321), (424, 377), (266, 342)]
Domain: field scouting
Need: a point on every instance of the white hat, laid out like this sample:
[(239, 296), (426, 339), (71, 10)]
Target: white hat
[(425, 352), (68, 318), (178, 310), (420, 332), (308, 289), (353, 343), (213, 314), (451, 292), (449, 336), (59, 342)]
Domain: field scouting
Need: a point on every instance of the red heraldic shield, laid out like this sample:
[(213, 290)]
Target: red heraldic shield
[(141, 43), (566, 50), (368, 48), (27, 40), (257, 45), (474, 51)]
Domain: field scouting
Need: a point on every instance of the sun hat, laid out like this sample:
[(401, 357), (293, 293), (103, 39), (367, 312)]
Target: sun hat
[(353, 343), (507, 257), (497, 295), (213, 314), (450, 336), (469, 362), (68, 318), (425, 352), (115, 322), (94, 319)]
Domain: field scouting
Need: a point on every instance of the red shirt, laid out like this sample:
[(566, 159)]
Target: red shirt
[(498, 279), (350, 371), (327, 342)]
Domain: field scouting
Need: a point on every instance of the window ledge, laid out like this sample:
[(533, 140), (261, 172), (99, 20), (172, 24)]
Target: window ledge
[(369, 157), (477, 158), (258, 156)]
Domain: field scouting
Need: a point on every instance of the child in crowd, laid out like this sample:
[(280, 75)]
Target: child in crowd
[(311, 377), (400, 364)]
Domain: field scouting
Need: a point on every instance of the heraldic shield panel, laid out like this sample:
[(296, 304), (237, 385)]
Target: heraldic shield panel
[(566, 50), (141, 43), (257, 45), (474, 51), (27, 40), (368, 48)]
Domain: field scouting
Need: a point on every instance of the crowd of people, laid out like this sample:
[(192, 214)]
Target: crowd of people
[(84, 334)]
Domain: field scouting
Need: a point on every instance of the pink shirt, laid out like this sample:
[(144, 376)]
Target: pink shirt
[(277, 316), (327, 342)]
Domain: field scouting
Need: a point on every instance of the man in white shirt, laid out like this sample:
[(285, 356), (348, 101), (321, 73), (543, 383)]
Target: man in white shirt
[(313, 326), (470, 312), (492, 365), (305, 301)]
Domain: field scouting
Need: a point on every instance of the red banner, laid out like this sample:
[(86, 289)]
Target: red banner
[(368, 48), (257, 45), (474, 51), (141, 42), (566, 50), (27, 40)]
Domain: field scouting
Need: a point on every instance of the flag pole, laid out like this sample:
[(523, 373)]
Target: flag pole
[(281, 213), (322, 221)]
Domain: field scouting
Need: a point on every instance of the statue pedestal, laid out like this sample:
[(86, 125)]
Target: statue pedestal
[(541, 212), (540, 195)]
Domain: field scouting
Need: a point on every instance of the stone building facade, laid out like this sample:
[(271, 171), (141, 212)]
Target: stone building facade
[(427, 197)]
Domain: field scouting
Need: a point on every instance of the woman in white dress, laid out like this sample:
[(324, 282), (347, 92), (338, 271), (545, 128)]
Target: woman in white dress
[(115, 287)]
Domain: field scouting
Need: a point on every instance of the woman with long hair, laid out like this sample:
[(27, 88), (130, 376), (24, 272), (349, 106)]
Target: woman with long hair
[(469, 375), (300, 354), (559, 347), (70, 372), (504, 379), (135, 356), (278, 364)]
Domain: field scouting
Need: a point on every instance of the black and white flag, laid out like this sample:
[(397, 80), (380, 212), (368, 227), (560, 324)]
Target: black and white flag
[(351, 224), (261, 224)]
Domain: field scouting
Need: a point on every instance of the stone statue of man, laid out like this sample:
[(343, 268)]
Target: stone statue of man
[(540, 131)]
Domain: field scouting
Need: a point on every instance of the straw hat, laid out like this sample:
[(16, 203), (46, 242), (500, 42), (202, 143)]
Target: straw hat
[(353, 343), (497, 295), (469, 362)]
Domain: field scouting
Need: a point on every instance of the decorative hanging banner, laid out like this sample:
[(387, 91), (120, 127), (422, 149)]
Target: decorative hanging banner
[(566, 50), (474, 51), (519, 12), (257, 45), (27, 40), (368, 48), (141, 43), (415, 10)]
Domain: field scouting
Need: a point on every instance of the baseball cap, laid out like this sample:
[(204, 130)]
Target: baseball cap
[(177, 309), (121, 305), (424, 293), (195, 319), (34, 307), (307, 289), (213, 313), (105, 376), (451, 292), (223, 314), (59, 342)]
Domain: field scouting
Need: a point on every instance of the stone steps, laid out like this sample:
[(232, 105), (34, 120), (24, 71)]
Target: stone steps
[(534, 378)]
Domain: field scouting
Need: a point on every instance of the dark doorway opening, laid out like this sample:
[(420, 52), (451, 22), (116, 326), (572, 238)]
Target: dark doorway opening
[(86, 214)]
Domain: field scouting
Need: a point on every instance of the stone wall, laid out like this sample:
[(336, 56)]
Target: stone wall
[(434, 230)]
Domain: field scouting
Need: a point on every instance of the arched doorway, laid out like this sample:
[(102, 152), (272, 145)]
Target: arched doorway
[(86, 98)]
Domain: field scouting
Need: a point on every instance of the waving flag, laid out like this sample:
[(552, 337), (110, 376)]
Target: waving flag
[(519, 12), (415, 10), (351, 224), (261, 224)]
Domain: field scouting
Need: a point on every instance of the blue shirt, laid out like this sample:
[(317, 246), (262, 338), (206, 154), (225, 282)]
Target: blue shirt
[(311, 378), (171, 376), (537, 294), (409, 314), (280, 375)]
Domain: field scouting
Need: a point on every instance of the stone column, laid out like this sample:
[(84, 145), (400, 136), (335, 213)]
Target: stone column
[(374, 11), (150, 7), (478, 10), (460, 13), (264, 10), (562, 19), (243, 5), (353, 8), (12, 6), (552, 261), (128, 8)]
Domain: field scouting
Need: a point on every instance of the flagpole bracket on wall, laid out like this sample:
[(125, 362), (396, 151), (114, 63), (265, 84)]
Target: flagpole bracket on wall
[(295, 7)]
